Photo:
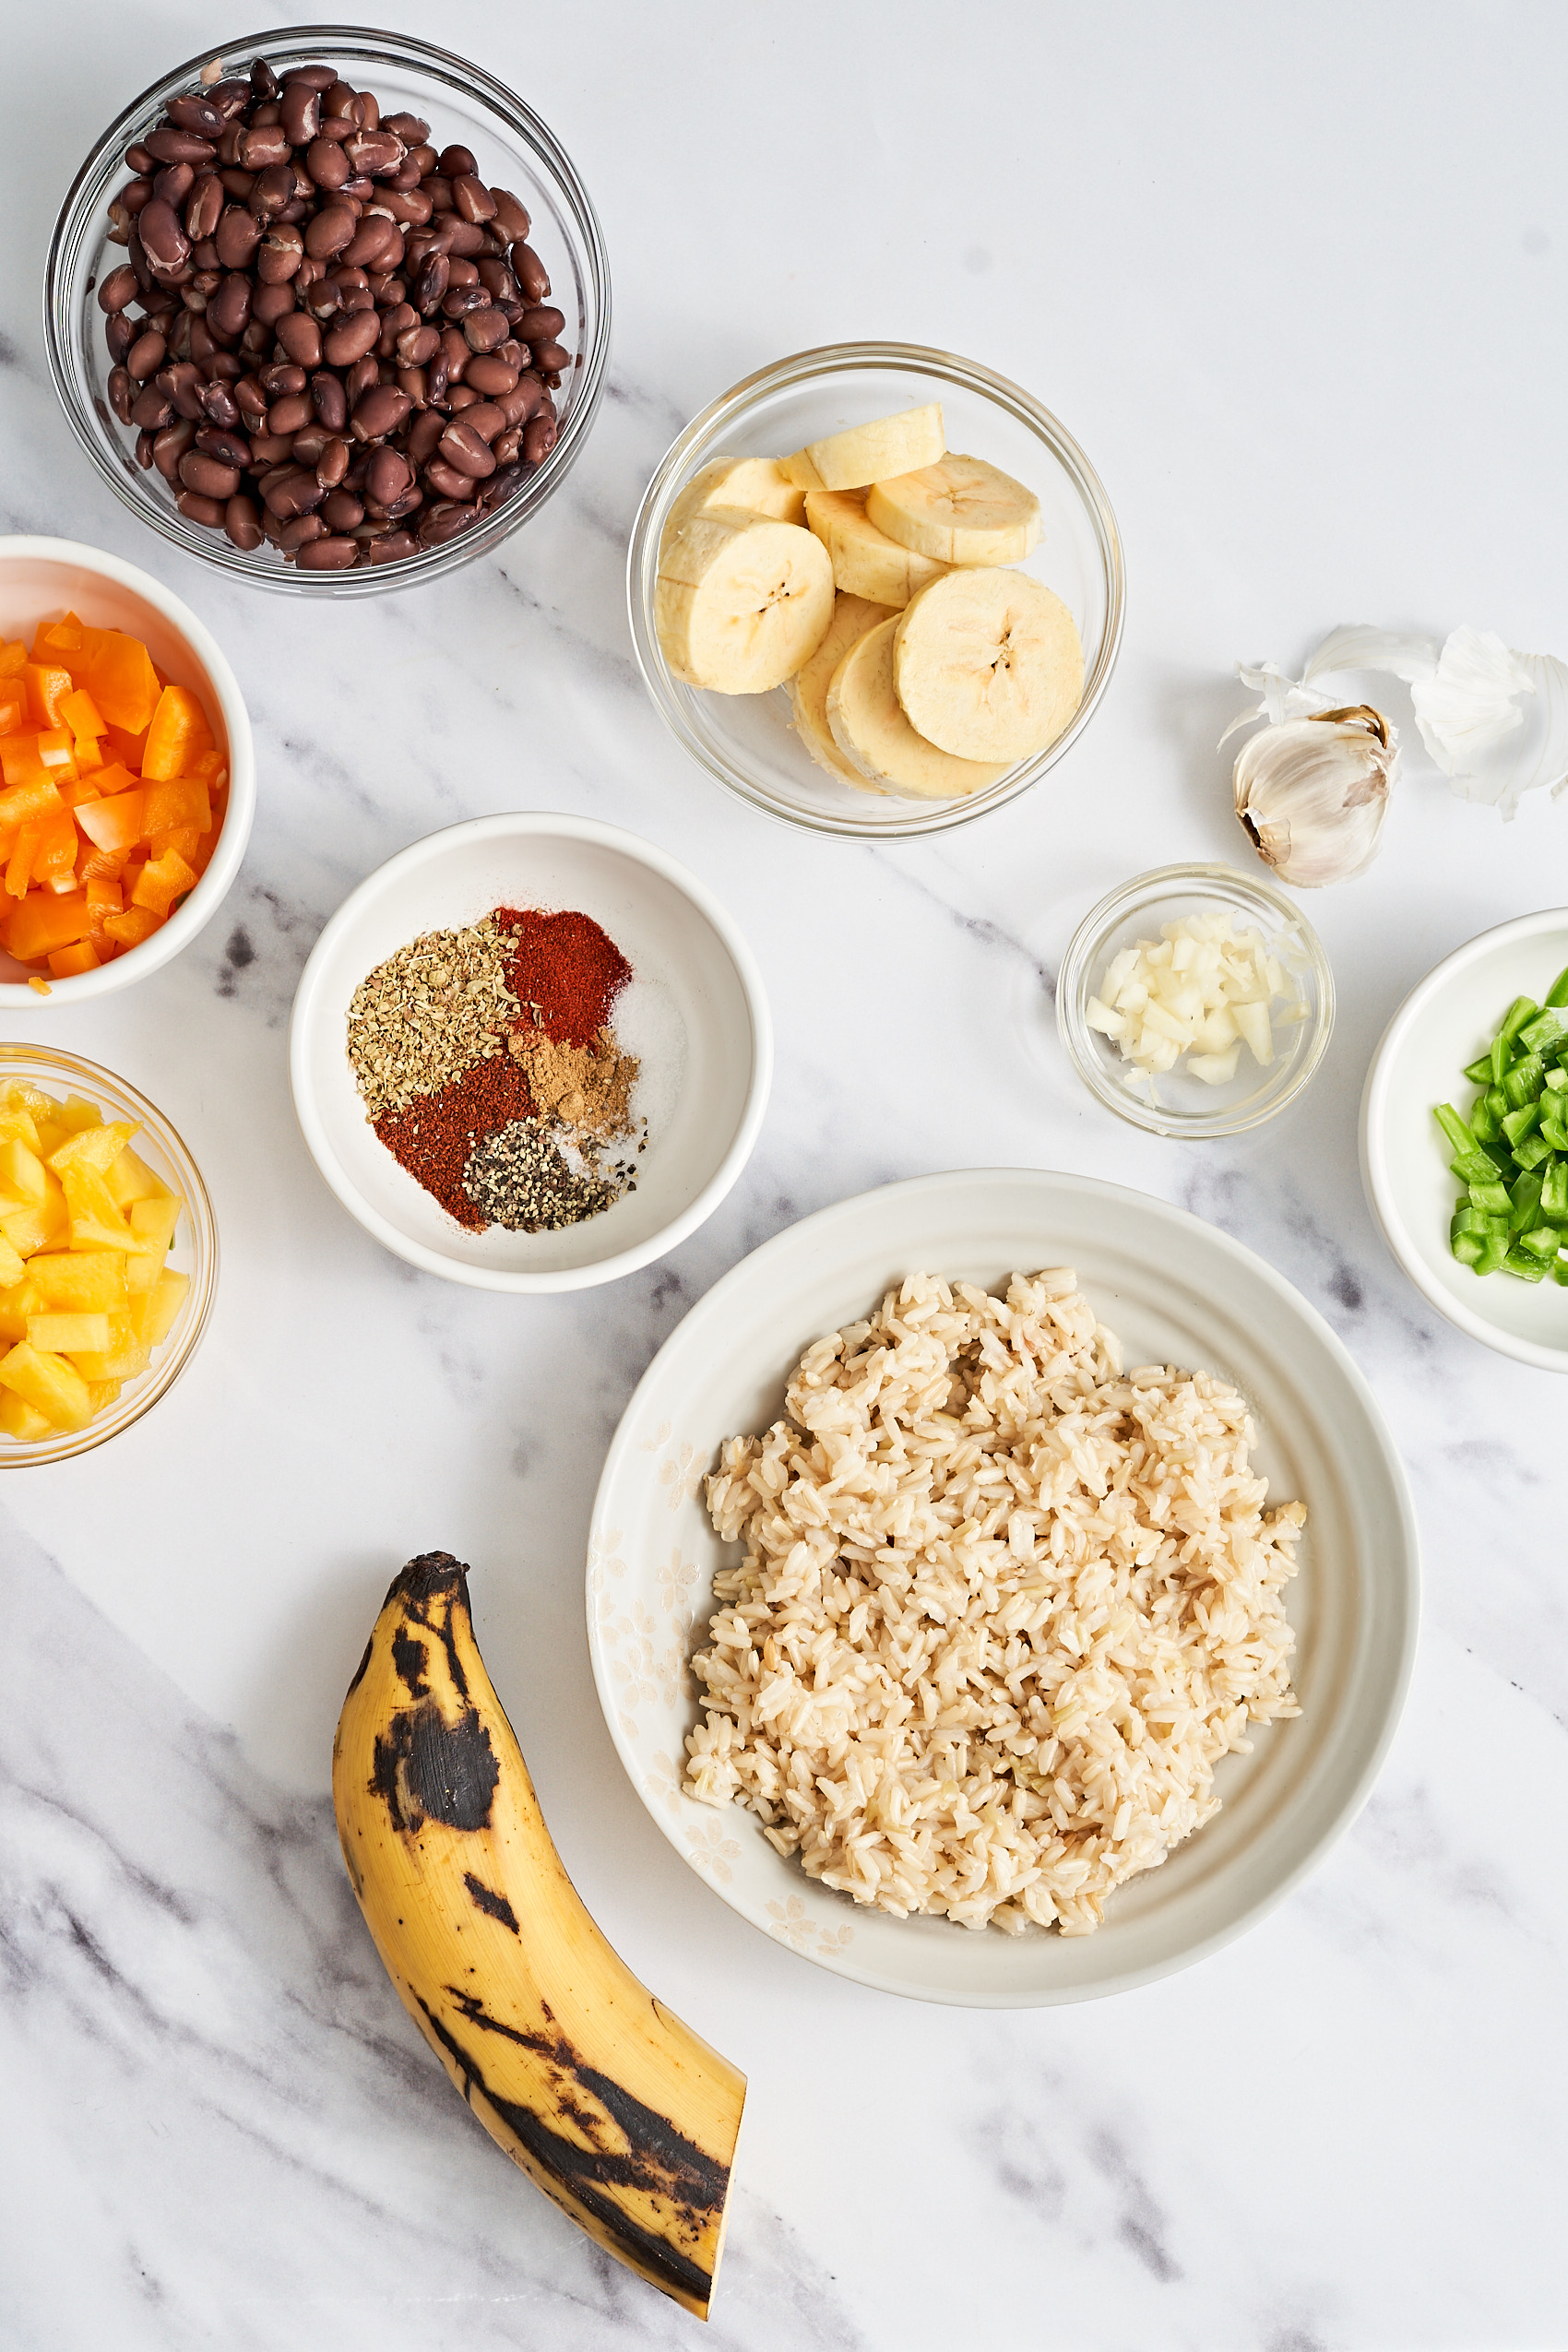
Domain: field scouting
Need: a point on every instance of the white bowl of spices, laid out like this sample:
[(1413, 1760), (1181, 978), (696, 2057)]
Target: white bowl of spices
[(530, 1053)]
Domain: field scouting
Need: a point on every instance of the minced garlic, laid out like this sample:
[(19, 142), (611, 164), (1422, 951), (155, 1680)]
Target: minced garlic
[(1202, 992)]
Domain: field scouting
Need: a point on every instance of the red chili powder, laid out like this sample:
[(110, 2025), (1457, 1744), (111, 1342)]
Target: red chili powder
[(565, 972), (434, 1135)]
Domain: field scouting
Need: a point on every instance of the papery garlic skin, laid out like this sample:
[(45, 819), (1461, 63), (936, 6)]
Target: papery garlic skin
[(1471, 701), (1312, 794)]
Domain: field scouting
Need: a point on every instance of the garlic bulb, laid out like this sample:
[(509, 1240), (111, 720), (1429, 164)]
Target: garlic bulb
[(1312, 793), (1494, 720)]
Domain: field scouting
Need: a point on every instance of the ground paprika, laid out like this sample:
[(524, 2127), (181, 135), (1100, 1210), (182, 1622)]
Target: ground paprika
[(565, 972)]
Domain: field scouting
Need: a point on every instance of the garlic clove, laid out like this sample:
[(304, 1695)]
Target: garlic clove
[(1312, 793)]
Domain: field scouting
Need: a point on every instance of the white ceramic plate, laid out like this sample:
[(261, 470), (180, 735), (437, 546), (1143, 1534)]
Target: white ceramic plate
[(1174, 1291), (695, 1012), (1449, 1019)]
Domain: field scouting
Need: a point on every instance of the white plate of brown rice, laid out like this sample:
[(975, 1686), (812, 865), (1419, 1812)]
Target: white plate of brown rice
[(1002, 1588)]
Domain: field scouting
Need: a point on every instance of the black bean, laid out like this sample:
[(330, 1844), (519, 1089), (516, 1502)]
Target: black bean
[(300, 113), (146, 356), (329, 401), (118, 289), (174, 184), (539, 438), (150, 409), (532, 277), (197, 115), (219, 406), (164, 239), (229, 449), (208, 475), (167, 144)]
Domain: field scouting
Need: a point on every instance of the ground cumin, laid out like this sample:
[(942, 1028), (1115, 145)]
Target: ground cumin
[(587, 1088)]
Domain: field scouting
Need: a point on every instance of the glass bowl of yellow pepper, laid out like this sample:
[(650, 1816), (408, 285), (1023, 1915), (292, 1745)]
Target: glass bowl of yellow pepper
[(108, 1256)]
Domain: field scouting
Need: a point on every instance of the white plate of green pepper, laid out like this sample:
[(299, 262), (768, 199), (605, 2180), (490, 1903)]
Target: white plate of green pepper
[(1465, 1137)]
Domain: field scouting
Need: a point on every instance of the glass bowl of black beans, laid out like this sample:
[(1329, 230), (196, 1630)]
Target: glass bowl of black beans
[(330, 311)]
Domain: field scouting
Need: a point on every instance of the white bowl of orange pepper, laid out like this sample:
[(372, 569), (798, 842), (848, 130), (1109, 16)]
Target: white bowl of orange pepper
[(127, 775)]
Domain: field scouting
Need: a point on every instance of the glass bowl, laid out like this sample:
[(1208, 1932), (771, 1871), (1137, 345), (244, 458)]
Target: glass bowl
[(1186, 1106), (745, 740), (194, 1250), (461, 103)]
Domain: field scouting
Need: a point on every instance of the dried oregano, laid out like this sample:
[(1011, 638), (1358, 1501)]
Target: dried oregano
[(429, 1013)]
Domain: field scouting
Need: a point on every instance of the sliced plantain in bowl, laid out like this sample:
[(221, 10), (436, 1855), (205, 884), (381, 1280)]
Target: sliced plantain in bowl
[(854, 618), (987, 665), (866, 562), (959, 510), (741, 600), (750, 485), (869, 726), (865, 453)]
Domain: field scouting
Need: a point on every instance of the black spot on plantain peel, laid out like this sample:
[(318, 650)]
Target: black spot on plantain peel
[(614, 2107)]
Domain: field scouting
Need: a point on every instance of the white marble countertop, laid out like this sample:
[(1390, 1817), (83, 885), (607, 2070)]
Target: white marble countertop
[(1298, 289)]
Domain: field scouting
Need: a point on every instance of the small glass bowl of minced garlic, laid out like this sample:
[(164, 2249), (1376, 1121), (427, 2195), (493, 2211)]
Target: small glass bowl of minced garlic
[(1195, 1000)]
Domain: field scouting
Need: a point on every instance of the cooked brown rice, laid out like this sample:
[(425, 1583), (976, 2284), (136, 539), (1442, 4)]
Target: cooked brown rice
[(1003, 1607)]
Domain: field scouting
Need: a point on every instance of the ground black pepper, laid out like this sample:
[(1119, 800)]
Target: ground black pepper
[(521, 1179)]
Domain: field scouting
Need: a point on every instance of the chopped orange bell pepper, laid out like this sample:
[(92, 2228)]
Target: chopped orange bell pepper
[(118, 745), (178, 734), (163, 881), (131, 928), (81, 715), (55, 860), (180, 800), (57, 640), (57, 751), (102, 900), (113, 824), (102, 865), (64, 961), (28, 803), (20, 763), (184, 838), (47, 688), (122, 681), (113, 787), (114, 778), (44, 921), (19, 873)]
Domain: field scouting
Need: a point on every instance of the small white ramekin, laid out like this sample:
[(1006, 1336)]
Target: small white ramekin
[(1448, 1020), (695, 1011), (39, 580)]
